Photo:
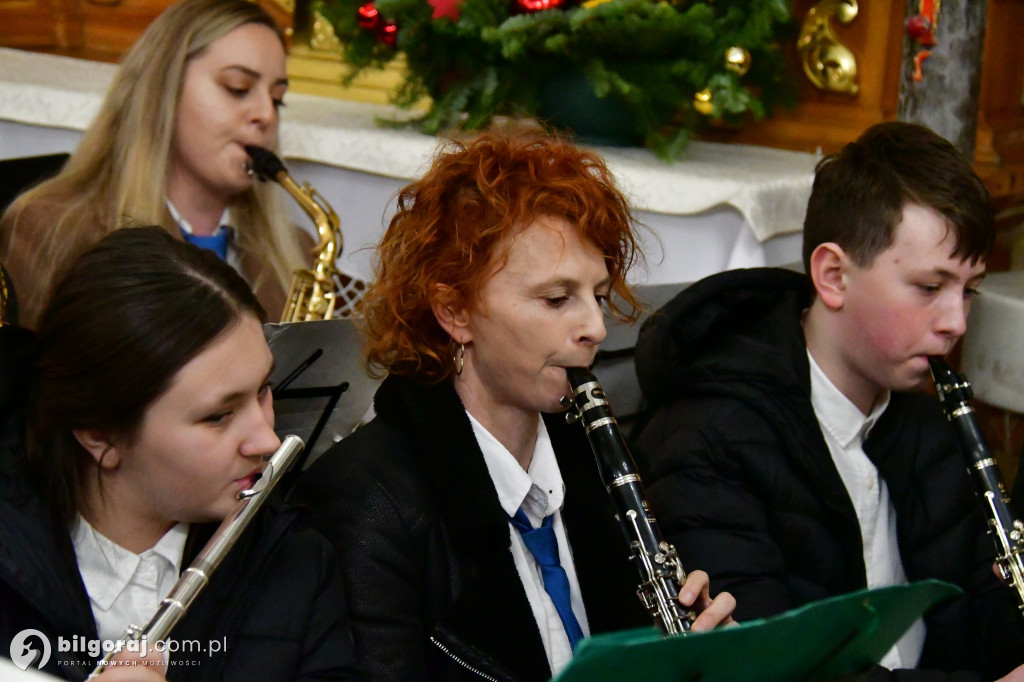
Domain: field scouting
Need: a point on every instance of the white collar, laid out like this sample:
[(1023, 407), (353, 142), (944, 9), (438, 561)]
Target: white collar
[(836, 413), (107, 568), (540, 491), (224, 222)]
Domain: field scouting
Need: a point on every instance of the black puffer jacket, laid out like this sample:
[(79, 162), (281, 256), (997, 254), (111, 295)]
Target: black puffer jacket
[(745, 487), (433, 589), (275, 604)]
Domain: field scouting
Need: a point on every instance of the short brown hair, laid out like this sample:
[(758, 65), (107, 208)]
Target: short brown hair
[(859, 194), (451, 222)]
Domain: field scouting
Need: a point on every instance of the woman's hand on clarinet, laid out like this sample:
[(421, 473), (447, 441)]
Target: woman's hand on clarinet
[(711, 613)]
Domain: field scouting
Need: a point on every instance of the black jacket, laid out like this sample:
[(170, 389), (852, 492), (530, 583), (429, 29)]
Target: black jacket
[(745, 487), (275, 604), (432, 585)]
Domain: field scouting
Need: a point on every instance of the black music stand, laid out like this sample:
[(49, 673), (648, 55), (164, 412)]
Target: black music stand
[(321, 392), (23, 173)]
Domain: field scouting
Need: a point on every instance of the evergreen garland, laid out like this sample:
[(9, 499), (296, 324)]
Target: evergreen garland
[(653, 55)]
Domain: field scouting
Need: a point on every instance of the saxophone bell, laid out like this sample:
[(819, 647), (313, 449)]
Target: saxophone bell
[(7, 302)]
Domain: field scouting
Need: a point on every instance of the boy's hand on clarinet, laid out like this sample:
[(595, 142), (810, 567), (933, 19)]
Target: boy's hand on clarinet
[(711, 613)]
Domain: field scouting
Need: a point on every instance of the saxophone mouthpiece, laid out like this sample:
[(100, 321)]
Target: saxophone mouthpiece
[(265, 163)]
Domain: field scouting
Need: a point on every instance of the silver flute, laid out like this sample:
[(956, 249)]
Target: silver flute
[(661, 572), (1007, 531), (197, 575)]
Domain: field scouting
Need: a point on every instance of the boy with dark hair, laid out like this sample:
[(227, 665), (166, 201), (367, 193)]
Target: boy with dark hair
[(793, 455), (859, 194)]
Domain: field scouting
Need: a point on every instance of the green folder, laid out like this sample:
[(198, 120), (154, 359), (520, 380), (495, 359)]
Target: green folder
[(818, 641)]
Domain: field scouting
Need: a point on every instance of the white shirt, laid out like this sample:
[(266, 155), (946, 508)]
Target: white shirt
[(234, 258), (126, 588), (845, 429), (540, 492)]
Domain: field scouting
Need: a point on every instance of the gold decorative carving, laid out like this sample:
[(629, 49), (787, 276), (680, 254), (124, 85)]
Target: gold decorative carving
[(828, 63)]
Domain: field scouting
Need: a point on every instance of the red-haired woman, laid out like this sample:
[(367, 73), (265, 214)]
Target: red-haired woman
[(494, 276)]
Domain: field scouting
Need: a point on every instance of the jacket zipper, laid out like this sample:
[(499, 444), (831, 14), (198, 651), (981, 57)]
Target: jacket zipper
[(461, 662)]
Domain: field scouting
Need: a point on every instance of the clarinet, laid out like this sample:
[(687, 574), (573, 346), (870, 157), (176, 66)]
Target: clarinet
[(195, 577), (661, 572), (1007, 531)]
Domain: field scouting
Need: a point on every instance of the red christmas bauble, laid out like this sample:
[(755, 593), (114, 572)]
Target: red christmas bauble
[(531, 6), (387, 32), (918, 27), (369, 17), (445, 8)]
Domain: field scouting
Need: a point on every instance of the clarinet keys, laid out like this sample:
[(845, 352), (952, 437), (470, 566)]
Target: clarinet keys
[(661, 572)]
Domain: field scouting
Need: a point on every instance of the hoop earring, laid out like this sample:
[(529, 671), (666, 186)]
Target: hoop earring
[(460, 359)]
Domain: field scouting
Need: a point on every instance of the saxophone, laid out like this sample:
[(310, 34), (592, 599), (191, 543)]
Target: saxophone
[(1007, 531), (7, 311), (314, 292), (195, 577), (661, 572)]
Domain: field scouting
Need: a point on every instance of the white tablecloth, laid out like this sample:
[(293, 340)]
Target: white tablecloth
[(722, 206)]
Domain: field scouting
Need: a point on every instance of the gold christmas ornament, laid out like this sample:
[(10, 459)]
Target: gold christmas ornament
[(737, 60), (702, 102)]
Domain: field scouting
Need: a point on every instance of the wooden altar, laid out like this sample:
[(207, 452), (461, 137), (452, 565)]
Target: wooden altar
[(101, 30)]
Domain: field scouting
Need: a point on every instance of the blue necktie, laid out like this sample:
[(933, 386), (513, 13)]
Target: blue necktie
[(218, 243), (544, 547)]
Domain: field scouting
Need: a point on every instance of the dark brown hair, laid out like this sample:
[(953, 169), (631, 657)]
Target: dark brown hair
[(127, 315), (859, 194)]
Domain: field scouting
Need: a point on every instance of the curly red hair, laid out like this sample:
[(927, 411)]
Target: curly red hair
[(451, 227)]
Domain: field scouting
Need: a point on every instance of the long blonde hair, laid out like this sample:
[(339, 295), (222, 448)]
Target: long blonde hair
[(118, 173)]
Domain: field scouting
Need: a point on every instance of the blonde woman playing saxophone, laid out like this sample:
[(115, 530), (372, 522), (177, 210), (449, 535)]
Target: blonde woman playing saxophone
[(167, 148)]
